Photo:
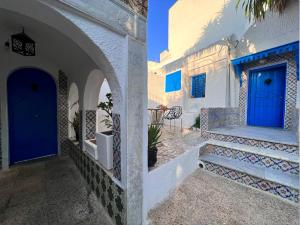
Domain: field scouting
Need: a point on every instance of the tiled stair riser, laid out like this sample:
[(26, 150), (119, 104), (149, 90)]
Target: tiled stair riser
[(264, 185), (255, 159), (252, 142)]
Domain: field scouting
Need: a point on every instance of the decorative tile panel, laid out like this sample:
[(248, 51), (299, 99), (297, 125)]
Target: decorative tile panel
[(116, 146), (258, 183), (291, 87), (63, 111), (251, 158), (109, 193), (90, 122), (253, 142)]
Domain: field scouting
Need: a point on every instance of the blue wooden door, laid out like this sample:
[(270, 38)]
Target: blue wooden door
[(266, 97), (32, 115)]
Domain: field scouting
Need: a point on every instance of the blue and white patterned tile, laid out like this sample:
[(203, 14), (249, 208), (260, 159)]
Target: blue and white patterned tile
[(280, 190)]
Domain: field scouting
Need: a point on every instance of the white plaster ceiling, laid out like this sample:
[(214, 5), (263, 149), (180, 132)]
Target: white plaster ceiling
[(50, 44)]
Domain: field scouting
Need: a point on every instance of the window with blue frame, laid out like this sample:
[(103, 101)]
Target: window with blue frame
[(173, 82), (198, 86)]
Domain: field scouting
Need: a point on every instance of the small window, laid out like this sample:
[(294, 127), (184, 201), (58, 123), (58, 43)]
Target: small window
[(198, 86), (173, 82)]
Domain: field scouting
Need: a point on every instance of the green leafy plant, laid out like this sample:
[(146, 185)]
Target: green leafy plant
[(256, 9), (75, 123), (197, 122), (107, 107), (154, 134)]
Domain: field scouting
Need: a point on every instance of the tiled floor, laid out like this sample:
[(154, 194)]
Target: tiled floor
[(48, 192), (259, 133), (174, 142), (208, 199)]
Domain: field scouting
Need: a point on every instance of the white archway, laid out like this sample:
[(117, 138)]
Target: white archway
[(104, 90), (99, 48)]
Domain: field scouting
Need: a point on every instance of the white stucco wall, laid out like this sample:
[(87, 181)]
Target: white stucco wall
[(195, 24), (212, 61)]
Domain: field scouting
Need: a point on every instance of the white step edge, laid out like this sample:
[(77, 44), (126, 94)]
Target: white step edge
[(276, 154), (256, 171)]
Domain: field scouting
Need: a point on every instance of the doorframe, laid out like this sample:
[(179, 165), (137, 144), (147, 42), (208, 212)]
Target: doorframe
[(55, 80), (266, 67)]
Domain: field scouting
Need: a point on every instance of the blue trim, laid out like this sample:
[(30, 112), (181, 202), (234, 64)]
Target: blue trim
[(291, 47), (198, 86), (173, 82)]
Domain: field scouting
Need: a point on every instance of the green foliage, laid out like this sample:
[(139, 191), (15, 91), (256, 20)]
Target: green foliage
[(76, 121), (197, 122), (154, 134), (107, 107), (256, 9)]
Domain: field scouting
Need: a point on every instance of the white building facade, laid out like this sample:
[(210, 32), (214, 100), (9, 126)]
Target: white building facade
[(78, 44), (204, 40)]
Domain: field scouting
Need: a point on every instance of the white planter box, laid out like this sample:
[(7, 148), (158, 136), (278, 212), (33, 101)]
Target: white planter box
[(91, 149), (105, 149)]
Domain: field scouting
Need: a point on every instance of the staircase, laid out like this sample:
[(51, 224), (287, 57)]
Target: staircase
[(268, 166)]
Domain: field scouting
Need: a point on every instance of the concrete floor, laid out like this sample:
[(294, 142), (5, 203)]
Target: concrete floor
[(175, 142), (207, 199), (48, 192)]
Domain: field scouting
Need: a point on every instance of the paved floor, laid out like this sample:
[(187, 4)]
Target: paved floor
[(50, 192), (207, 199), (175, 142)]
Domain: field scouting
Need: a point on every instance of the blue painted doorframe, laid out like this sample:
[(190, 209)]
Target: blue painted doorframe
[(32, 112), (266, 96)]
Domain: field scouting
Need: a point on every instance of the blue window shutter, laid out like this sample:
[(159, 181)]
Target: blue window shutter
[(173, 82), (198, 86)]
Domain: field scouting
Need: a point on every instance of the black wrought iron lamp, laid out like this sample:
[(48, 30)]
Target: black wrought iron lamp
[(23, 44)]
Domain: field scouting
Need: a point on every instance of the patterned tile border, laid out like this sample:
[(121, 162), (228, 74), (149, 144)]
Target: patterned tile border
[(253, 142), (110, 194), (90, 123), (264, 185), (63, 111), (116, 146), (254, 159), (204, 117), (291, 87)]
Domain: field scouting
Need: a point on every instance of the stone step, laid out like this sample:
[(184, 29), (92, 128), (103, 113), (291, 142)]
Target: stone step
[(250, 141), (273, 181), (264, 157)]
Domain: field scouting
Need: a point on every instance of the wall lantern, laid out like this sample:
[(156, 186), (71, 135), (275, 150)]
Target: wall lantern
[(22, 44)]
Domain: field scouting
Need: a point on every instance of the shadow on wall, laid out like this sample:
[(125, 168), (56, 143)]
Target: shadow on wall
[(228, 21), (273, 31)]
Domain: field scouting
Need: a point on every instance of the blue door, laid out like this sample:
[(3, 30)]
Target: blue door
[(266, 97), (32, 115)]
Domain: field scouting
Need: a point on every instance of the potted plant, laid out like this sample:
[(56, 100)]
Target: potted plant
[(75, 123), (154, 134), (197, 123), (105, 139)]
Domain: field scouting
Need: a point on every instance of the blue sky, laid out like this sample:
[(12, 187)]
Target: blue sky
[(158, 27)]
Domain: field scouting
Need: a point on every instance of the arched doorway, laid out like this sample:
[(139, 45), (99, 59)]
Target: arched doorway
[(32, 115)]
